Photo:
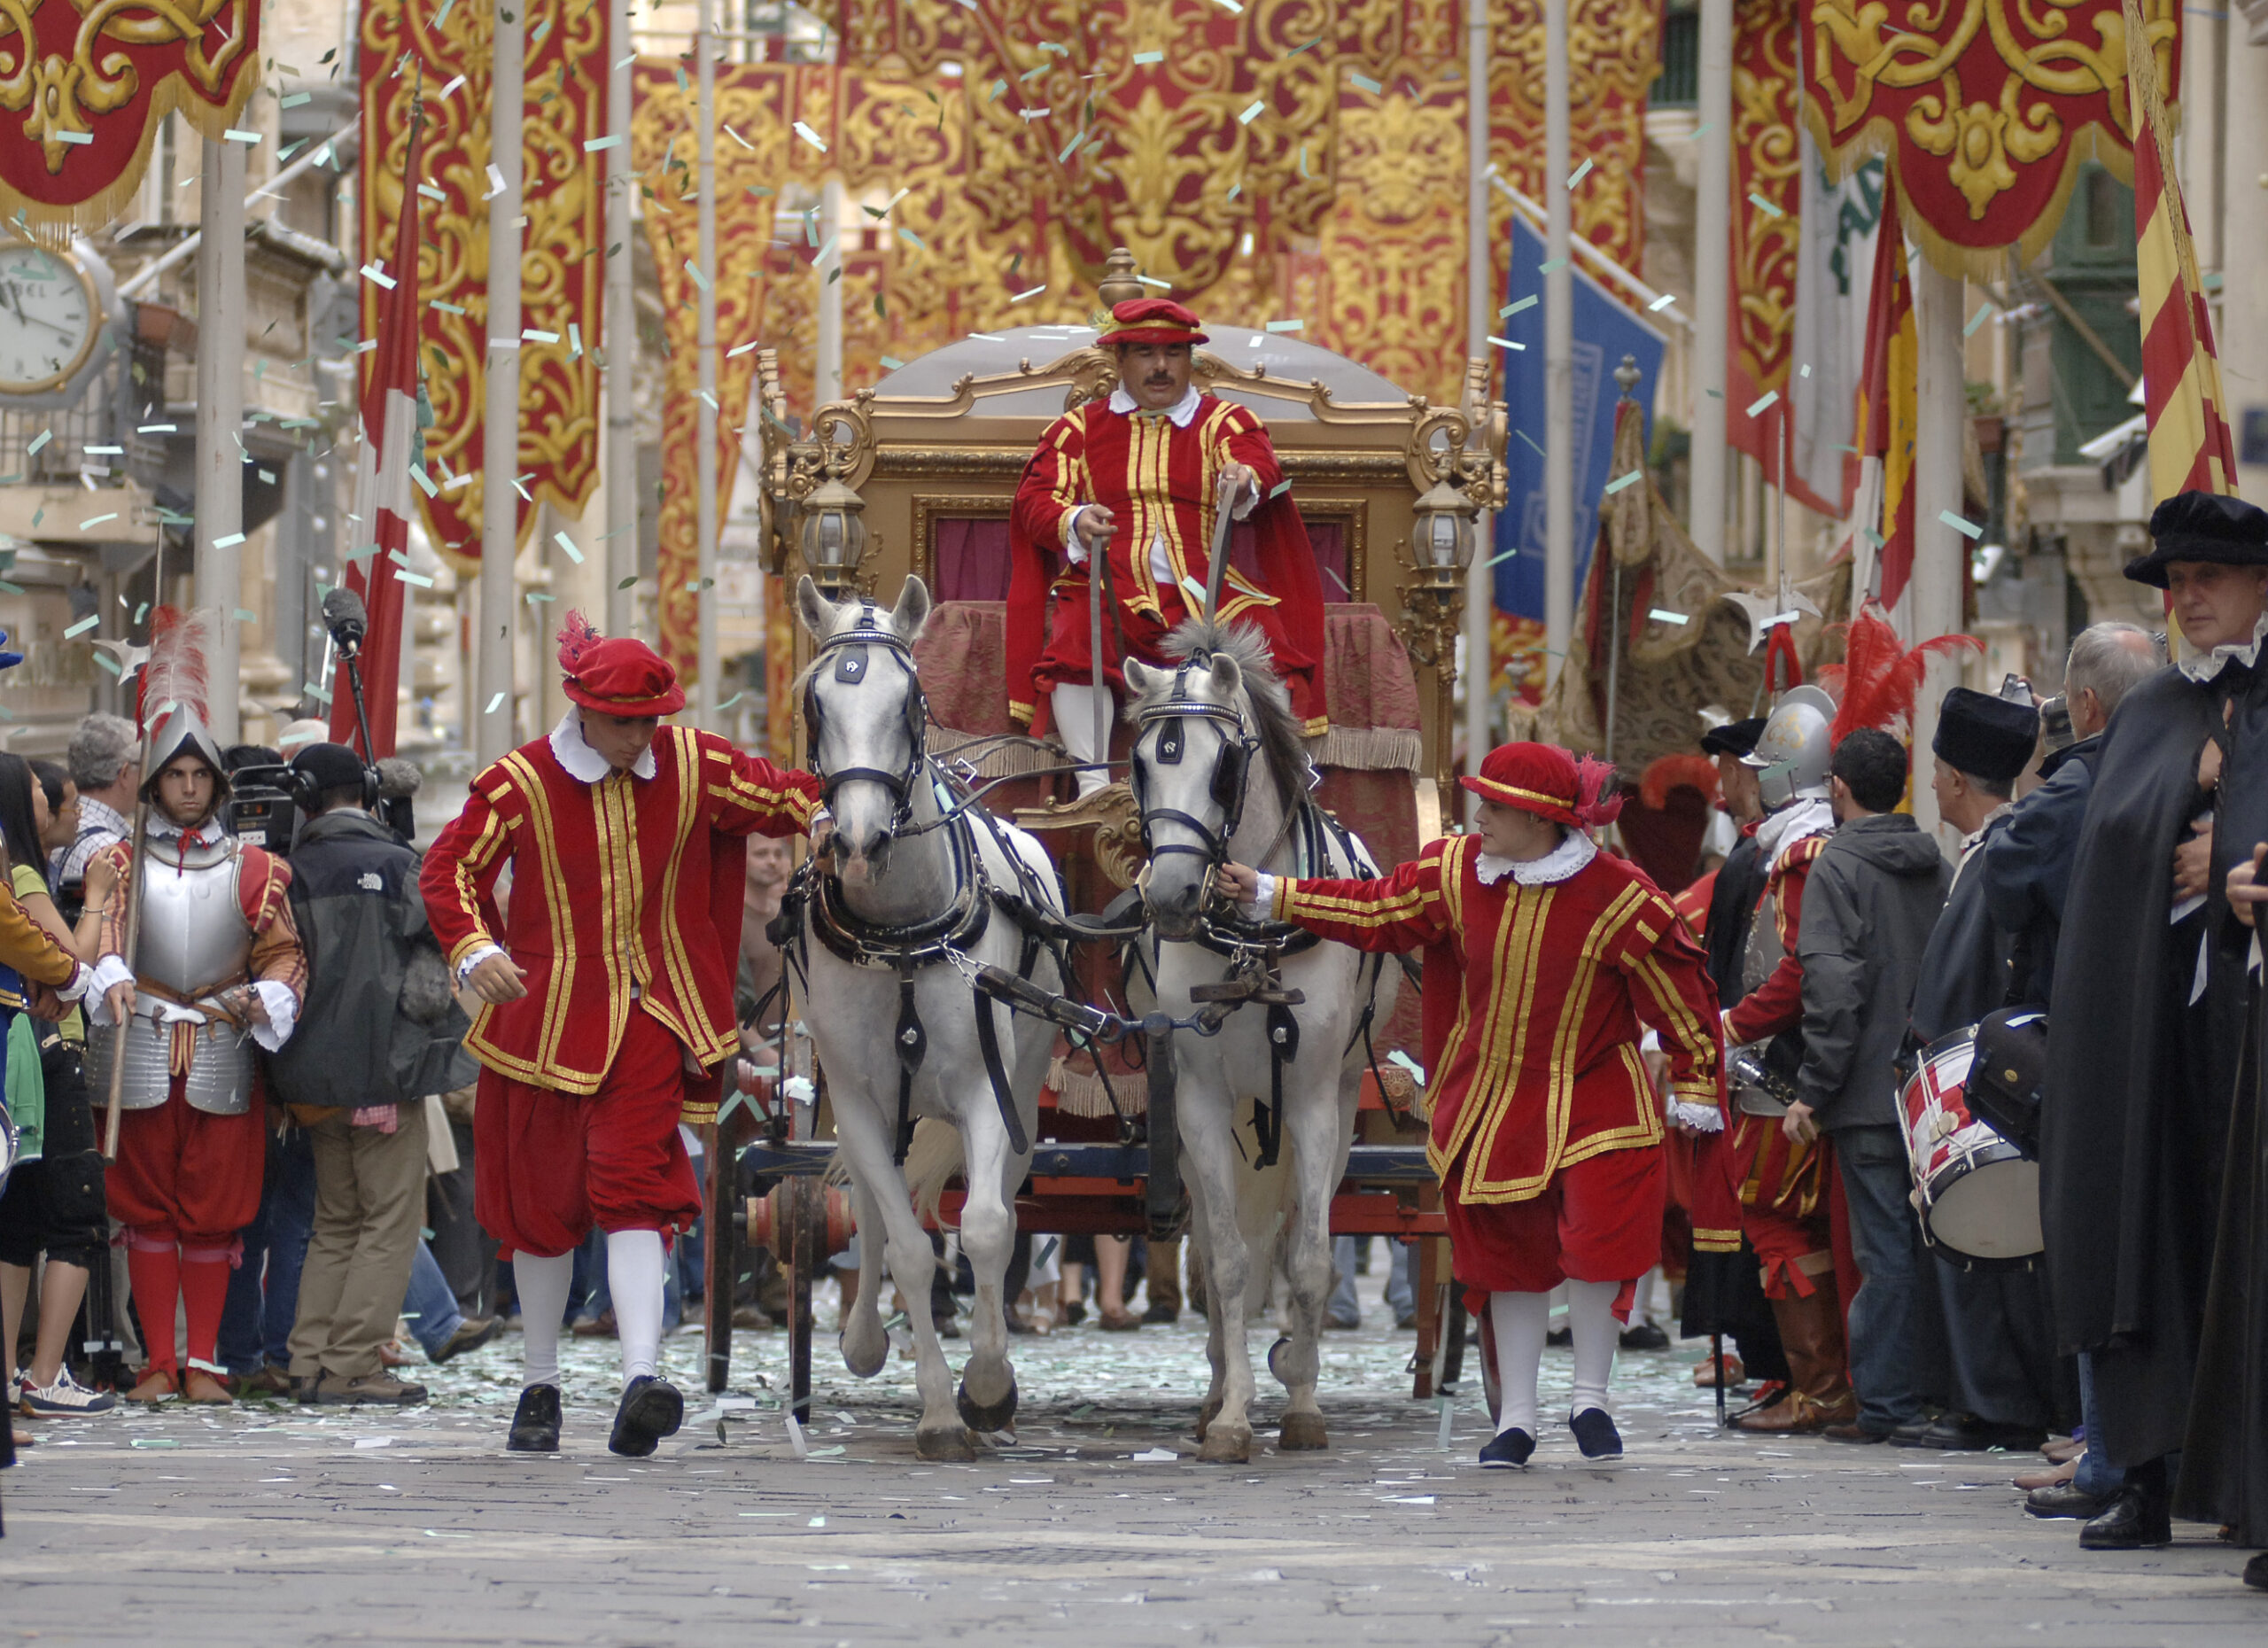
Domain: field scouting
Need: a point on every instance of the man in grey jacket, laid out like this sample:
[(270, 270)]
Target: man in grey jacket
[(379, 1030), (1873, 898)]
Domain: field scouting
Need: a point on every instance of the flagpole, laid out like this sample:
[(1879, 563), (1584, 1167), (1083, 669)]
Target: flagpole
[(1480, 578), (493, 715), (1559, 354), (704, 699), (621, 557), (1712, 230), (1941, 403), (218, 564)]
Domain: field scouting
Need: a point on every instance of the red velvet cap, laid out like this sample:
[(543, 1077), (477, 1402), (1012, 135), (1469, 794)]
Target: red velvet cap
[(1535, 778), (1153, 320), (615, 675)]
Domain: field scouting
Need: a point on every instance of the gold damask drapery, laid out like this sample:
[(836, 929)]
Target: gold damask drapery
[(563, 244), (1767, 220), (1985, 108)]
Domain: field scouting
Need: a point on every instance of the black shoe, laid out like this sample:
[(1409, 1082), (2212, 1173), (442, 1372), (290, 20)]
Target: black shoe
[(2255, 1571), (2064, 1500), (535, 1423), (2135, 1518), (1074, 1314), (1163, 1315), (1646, 1336), (651, 1409), (1594, 1434), (1854, 1432), (1964, 1433), (1561, 1337), (471, 1334), (1910, 1434), (1508, 1450)]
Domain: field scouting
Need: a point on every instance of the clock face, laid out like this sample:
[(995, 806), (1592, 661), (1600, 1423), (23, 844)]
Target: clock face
[(48, 319)]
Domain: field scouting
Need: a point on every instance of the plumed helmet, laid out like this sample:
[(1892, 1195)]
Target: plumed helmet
[(174, 721), (1791, 753)]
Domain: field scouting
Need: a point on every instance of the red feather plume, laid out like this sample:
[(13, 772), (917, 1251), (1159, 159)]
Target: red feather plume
[(1667, 773), (1596, 804), (1878, 679), (174, 673), (577, 636)]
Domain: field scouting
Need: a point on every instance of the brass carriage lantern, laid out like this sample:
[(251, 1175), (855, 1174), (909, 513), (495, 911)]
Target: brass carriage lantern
[(1441, 548), (834, 538), (1442, 543)]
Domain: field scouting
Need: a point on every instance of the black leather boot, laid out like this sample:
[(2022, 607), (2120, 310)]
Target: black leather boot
[(2140, 1514)]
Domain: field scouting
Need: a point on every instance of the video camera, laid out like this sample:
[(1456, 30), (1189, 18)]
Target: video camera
[(265, 806)]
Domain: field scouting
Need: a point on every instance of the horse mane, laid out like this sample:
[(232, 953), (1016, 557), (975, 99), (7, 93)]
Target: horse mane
[(1283, 739)]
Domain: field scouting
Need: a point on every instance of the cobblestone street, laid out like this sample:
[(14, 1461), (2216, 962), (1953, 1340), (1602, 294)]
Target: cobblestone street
[(1095, 1525)]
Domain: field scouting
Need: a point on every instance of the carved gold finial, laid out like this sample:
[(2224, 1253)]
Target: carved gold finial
[(1118, 283)]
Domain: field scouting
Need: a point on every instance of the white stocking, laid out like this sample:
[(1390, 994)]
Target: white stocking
[(1073, 709), (544, 1284), (633, 1278), (1590, 1320), (1521, 1322)]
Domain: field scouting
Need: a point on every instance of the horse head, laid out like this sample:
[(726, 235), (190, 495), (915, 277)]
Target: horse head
[(1199, 724), (865, 718)]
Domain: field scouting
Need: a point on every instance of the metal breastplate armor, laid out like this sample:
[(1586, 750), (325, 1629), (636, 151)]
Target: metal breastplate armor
[(193, 943), (1781, 1055)]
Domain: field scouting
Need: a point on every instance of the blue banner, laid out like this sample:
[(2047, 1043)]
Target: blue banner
[(1605, 330)]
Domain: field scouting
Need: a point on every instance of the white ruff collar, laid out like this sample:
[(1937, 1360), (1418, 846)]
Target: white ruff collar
[(205, 835), (585, 764), (1791, 824), (1571, 855), (2207, 667), (1183, 412)]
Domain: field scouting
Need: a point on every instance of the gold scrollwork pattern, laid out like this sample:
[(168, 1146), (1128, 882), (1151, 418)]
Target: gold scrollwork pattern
[(1767, 188), (93, 82), (1985, 108), (562, 244)]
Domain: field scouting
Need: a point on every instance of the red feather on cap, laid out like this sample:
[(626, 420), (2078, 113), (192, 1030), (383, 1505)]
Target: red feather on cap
[(577, 636), (1879, 681), (1596, 804)]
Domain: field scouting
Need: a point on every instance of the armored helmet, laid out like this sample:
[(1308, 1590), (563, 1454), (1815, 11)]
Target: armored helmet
[(173, 696), (1791, 753)]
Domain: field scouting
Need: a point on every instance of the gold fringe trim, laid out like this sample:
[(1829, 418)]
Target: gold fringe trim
[(1082, 1092), (1000, 760), (1370, 749)]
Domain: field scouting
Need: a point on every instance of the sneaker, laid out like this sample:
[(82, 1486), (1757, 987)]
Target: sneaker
[(372, 1390), (651, 1409), (15, 1391), (472, 1333), (1508, 1450), (1594, 1434), (66, 1398), (535, 1423)]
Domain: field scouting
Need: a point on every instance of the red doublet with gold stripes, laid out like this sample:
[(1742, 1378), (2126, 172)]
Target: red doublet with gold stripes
[(614, 886), (1159, 482), (1539, 1068)]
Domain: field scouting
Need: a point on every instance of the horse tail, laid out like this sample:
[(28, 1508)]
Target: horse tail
[(933, 1159)]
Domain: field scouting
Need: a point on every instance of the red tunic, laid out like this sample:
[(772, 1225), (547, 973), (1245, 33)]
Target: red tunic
[(1533, 997), (625, 892), (1158, 481)]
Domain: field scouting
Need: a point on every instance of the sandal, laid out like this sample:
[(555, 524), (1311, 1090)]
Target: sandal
[(1122, 1322), (1704, 1373)]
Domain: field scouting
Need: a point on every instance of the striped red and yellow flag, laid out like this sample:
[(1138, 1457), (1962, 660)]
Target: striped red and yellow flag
[(2191, 450), (1888, 416)]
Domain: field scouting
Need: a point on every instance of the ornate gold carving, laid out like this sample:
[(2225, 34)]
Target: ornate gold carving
[(1117, 821)]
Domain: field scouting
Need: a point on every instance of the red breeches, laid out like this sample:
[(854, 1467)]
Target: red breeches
[(187, 1176), (1599, 1220), (1786, 1190), (549, 1167)]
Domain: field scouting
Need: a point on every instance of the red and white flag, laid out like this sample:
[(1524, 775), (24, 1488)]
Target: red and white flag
[(2190, 446), (379, 527)]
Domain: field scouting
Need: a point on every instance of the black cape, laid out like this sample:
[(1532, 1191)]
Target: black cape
[(2225, 1459), (1968, 966), (2136, 1108)]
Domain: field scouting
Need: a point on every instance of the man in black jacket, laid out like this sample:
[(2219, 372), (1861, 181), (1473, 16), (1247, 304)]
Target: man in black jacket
[(379, 1030), (1873, 896)]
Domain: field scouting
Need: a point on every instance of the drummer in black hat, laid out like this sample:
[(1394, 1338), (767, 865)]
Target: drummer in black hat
[(2003, 1364), (2148, 1012)]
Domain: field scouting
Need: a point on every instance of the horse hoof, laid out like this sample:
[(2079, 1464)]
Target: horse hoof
[(985, 1417), (1206, 1415), (946, 1444), (1275, 1364), (1226, 1444), (1302, 1433), (867, 1367)]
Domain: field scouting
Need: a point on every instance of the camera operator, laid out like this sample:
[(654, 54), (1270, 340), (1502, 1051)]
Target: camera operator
[(356, 1077)]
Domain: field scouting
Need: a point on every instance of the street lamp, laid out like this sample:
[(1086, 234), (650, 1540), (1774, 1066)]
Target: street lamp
[(834, 538)]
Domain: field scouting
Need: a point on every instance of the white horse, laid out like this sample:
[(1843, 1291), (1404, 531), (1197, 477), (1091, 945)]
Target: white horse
[(912, 901), (1204, 799)]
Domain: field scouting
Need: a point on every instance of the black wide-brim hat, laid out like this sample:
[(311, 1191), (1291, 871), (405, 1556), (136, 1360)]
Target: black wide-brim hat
[(1733, 738), (1986, 737), (2201, 526)]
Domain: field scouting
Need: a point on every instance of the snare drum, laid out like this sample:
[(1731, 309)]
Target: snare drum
[(1979, 1198)]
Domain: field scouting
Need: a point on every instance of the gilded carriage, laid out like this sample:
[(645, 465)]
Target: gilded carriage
[(917, 474)]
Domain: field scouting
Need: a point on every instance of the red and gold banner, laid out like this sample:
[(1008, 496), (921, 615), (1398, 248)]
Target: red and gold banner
[(1766, 221), (563, 244), (1985, 108), (88, 84)]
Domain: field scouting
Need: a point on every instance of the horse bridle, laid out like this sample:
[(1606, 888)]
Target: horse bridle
[(1231, 771), (851, 649)]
